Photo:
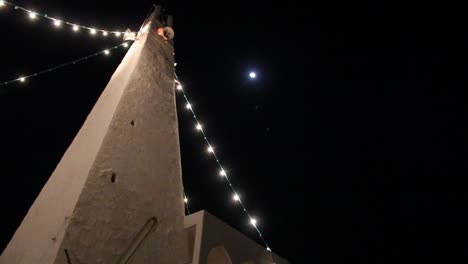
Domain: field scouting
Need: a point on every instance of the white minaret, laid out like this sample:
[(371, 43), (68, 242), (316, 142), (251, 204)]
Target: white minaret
[(116, 195)]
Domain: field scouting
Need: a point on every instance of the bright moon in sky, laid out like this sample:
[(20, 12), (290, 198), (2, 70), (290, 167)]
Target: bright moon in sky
[(253, 75)]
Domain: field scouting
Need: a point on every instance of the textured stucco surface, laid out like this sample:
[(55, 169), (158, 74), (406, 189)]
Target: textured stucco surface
[(213, 234), (116, 195)]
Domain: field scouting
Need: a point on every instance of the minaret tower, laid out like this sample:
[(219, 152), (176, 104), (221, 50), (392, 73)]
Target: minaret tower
[(116, 195)]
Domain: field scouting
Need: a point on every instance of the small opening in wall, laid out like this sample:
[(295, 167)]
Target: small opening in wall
[(113, 177), (132, 123)]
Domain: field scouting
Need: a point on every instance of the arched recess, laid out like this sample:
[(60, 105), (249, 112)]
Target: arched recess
[(218, 255)]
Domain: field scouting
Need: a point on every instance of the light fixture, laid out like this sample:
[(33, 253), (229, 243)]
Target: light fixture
[(32, 15), (222, 173), (199, 127), (253, 221), (92, 31), (104, 33), (188, 106), (236, 197), (57, 23), (106, 52), (210, 149), (179, 87), (76, 28), (22, 79)]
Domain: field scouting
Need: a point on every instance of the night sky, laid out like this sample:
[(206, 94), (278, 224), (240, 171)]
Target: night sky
[(349, 146)]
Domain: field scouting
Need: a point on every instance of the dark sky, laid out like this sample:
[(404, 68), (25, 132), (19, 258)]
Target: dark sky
[(350, 146)]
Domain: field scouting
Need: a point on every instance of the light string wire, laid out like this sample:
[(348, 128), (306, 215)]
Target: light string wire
[(57, 22), (105, 52), (223, 173)]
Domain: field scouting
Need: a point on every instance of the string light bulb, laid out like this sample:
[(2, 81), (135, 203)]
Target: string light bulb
[(76, 28), (2, 3), (185, 200), (57, 23), (117, 34), (32, 15), (188, 106), (125, 45), (22, 79), (236, 197), (106, 52), (210, 149), (92, 31), (104, 33), (179, 87), (222, 173), (253, 221), (269, 249)]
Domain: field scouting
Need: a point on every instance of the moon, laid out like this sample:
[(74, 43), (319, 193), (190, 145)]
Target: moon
[(253, 75)]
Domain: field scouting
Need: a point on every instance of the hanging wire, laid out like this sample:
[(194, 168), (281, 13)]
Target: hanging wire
[(24, 78), (222, 171), (57, 22)]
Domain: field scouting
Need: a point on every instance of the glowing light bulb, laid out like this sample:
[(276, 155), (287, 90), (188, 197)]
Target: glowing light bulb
[(32, 15), (57, 23), (185, 200), (92, 31), (236, 197), (253, 75), (106, 52), (188, 106), (210, 149), (179, 87), (222, 173), (125, 45), (199, 127), (268, 248), (253, 221), (2, 3), (104, 33), (22, 79), (117, 34), (76, 28)]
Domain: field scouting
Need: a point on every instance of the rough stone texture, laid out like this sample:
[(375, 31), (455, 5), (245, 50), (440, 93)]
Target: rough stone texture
[(116, 195), (213, 242)]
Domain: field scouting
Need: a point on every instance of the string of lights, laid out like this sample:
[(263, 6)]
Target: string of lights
[(222, 172), (106, 52), (33, 15)]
